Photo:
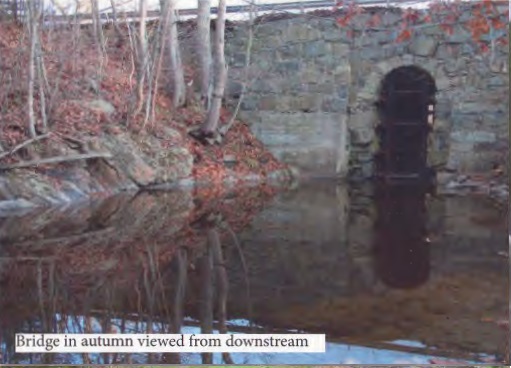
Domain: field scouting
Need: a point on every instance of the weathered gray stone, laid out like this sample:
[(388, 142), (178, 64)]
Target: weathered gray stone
[(459, 36), (448, 51), (249, 104), (467, 49), (263, 86), (100, 105), (371, 53), (362, 120), (238, 59), (474, 137), (423, 46), (443, 109), (332, 104), (305, 64), (389, 19), (315, 48), (302, 32), (125, 156), (339, 50), (331, 34), (269, 103), (305, 103), (234, 88), (289, 51), (433, 30), (362, 136), (287, 67), (456, 66), (496, 82), (323, 88)]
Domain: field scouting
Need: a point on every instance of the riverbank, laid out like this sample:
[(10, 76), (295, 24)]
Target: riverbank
[(128, 162), (93, 144)]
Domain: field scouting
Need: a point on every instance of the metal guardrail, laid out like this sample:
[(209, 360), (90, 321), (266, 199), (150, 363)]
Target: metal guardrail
[(107, 15)]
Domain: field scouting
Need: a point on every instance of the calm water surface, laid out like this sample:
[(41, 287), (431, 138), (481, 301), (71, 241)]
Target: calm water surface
[(390, 275)]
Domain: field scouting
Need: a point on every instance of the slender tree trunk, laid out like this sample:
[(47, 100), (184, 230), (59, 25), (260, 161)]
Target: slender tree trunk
[(116, 19), (245, 81), (157, 61), (210, 125), (97, 27), (32, 19), (42, 81), (176, 66), (142, 55), (204, 50)]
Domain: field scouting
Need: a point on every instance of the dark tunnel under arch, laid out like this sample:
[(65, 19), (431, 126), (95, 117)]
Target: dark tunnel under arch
[(405, 106)]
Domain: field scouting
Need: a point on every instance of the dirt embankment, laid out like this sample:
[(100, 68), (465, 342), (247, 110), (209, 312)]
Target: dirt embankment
[(94, 144)]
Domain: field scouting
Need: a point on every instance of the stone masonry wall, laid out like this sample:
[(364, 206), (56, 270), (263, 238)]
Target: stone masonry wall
[(306, 72)]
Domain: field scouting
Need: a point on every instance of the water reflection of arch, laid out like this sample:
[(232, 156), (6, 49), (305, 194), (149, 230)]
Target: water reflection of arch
[(401, 249)]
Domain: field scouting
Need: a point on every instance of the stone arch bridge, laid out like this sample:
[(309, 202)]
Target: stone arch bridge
[(313, 90)]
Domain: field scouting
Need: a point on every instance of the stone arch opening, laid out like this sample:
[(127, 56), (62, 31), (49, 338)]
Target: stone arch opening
[(406, 108)]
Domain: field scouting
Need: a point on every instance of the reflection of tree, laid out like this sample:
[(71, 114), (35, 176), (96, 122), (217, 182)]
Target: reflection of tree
[(157, 299), (127, 272), (214, 282)]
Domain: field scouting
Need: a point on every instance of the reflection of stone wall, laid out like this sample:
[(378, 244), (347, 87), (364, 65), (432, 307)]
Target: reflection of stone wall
[(311, 265), (295, 250), (304, 74)]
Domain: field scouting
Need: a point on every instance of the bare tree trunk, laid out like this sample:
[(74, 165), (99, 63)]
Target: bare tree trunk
[(97, 27), (32, 19), (41, 72), (248, 53), (210, 125), (176, 66), (116, 19), (204, 50), (157, 61), (142, 55)]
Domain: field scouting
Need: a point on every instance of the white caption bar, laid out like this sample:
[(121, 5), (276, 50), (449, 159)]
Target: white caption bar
[(170, 343)]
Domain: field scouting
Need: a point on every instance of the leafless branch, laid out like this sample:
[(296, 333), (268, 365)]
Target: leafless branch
[(57, 159)]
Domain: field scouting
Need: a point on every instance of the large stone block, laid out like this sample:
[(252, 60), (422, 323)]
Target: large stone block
[(288, 67), (289, 51), (305, 103), (314, 49), (302, 32), (471, 137), (333, 104), (423, 46), (362, 136), (447, 51), (459, 36), (339, 50), (309, 141)]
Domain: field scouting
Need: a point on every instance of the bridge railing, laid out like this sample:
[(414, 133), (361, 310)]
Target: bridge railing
[(238, 11)]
